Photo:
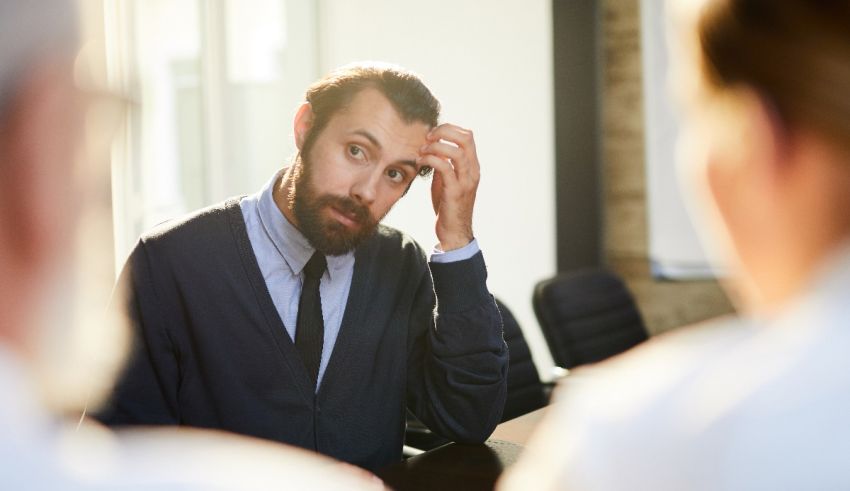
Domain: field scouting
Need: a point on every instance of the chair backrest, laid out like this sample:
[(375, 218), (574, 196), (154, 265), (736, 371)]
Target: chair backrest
[(525, 391), (587, 316)]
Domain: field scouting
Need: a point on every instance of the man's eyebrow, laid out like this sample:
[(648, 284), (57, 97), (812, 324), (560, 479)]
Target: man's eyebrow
[(369, 136), (411, 163)]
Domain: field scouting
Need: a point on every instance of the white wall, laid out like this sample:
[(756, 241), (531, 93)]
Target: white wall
[(490, 64)]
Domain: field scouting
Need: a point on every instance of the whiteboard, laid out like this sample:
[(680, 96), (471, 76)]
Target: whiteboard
[(675, 251)]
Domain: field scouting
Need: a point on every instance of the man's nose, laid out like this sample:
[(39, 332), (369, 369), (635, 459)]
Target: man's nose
[(365, 187)]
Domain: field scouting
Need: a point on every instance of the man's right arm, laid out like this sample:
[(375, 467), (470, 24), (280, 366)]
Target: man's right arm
[(146, 391)]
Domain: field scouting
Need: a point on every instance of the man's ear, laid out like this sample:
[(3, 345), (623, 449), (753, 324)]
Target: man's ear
[(303, 123), (763, 132)]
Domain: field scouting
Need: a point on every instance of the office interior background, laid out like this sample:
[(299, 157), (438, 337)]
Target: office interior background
[(562, 95)]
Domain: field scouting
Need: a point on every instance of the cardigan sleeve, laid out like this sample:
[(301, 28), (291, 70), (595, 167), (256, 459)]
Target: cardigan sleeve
[(457, 371), (146, 391)]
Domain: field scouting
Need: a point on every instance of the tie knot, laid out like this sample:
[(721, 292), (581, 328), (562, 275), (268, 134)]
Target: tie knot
[(315, 266)]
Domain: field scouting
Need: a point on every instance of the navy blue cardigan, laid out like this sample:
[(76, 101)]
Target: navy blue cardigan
[(211, 351)]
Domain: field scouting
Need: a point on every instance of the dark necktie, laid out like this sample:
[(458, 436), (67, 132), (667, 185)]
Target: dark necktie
[(310, 328)]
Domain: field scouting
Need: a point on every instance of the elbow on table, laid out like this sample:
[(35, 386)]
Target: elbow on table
[(473, 438), (475, 435), (477, 431)]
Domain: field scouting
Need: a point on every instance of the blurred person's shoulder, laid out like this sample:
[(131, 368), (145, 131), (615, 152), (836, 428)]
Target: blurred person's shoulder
[(187, 458), (617, 424), (657, 368), (731, 403), (654, 380), (634, 410), (40, 451)]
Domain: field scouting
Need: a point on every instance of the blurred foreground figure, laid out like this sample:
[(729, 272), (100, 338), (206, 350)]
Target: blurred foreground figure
[(759, 402), (49, 347)]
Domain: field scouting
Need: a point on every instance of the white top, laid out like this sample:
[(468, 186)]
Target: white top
[(39, 453), (734, 404)]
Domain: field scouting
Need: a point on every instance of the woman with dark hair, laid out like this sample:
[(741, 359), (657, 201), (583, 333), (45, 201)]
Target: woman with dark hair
[(758, 402)]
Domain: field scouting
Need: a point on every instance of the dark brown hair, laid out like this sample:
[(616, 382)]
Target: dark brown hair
[(794, 53), (405, 91)]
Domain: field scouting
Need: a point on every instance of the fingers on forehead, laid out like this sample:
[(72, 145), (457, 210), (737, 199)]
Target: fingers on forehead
[(453, 133), (445, 149)]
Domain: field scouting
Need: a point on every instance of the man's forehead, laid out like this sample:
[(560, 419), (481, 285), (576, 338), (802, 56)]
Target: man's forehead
[(371, 102), (370, 112)]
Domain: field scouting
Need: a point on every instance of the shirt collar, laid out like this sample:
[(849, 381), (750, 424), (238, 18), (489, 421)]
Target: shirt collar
[(293, 247)]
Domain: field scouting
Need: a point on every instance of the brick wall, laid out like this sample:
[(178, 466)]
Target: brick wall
[(665, 305)]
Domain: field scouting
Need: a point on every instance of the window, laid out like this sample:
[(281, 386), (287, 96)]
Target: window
[(216, 84)]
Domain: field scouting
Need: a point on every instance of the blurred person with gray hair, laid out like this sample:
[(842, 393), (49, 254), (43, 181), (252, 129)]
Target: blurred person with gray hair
[(758, 402), (51, 344)]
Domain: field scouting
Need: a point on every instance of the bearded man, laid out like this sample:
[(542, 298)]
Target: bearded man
[(293, 315)]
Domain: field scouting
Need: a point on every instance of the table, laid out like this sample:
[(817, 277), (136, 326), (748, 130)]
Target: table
[(518, 430), (464, 467)]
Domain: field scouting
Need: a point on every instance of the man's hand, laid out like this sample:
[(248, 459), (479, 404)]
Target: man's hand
[(450, 151)]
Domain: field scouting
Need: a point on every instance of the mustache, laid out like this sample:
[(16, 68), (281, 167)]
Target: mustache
[(348, 206)]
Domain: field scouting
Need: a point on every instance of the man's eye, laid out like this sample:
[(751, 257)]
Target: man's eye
[(395, 175), (355, 151)]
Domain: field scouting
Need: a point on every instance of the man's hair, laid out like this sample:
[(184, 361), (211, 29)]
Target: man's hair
[(794, 53), (30, 30), (405, 91)]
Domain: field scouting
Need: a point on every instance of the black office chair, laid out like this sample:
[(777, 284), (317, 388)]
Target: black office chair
[(587, 316), (525, 391)]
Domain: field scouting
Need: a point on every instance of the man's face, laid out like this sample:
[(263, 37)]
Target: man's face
[(353, 172)]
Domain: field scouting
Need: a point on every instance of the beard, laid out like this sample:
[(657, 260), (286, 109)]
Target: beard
[(325, 234)]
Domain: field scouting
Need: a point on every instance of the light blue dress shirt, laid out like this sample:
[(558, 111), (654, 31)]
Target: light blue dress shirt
[(282, 252)]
